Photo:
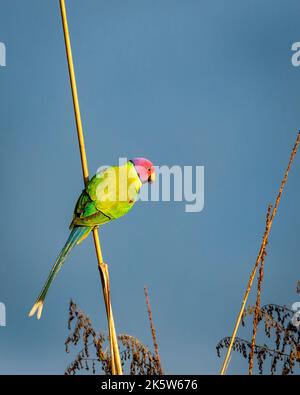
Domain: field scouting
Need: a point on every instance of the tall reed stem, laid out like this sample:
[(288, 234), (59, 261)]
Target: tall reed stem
[(153, 331), (260, 254), (103, 268), (257, 305)]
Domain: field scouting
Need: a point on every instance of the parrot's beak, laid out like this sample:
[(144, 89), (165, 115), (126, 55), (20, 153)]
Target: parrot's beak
[(152, 177)]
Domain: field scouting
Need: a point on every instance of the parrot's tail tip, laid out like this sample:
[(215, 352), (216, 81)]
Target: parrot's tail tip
[(37, 308)]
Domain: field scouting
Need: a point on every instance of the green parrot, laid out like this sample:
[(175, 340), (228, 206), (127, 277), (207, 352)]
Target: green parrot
[(109, 195)]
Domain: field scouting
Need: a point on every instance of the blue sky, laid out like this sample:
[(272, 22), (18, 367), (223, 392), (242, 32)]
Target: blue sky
[(183, 83)]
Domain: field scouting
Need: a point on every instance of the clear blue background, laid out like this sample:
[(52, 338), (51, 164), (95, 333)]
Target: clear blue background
[(181, 82)]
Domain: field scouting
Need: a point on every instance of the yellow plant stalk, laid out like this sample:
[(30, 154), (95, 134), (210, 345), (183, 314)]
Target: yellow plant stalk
[(103, 268), (260, 255), (257, 305)]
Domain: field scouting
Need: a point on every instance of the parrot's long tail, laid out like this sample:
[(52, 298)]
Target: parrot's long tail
[(77, 234)]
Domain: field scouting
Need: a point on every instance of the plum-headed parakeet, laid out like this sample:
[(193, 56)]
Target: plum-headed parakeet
[(109, 195)]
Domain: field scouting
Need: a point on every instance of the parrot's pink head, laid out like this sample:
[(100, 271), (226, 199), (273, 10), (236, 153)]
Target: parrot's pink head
[(144, 168)]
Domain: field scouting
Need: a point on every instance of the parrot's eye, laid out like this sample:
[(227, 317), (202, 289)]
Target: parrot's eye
[(149, 169)]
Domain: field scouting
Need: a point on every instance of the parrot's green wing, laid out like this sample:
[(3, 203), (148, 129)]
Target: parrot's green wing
[(86, 212), (106, 196)]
